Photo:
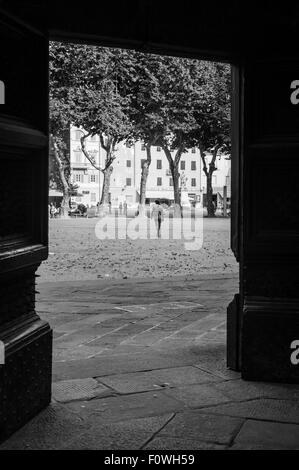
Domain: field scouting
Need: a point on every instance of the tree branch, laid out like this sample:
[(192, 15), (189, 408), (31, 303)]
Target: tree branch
[(204, 163), (178, 154), (168, 155), (110, 149), (103, 145), (212, 166), (86, 154)]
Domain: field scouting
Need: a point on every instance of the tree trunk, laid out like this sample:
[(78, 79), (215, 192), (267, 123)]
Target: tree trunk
[(176, 190), (106, 186), (65, 207), (109, 148), (174, 169), (210, 204), (65, 204), (143, 181), (209, 173)]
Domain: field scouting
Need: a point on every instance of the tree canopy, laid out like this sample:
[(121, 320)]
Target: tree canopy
[(177, 103)]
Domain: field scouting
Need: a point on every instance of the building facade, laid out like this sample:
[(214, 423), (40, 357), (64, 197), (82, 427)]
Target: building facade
[(126, 175)]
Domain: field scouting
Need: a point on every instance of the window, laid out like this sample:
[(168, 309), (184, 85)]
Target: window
[(78, 177), (78, 135), (193, 165), (193, 182), (92, 178), (183, 165), (159, 164), (142, 162), (128, 144), (143, 147), (78, 156), (158, 149), (128, 163), (159, 181), (214, 179), (128, 181), (92, 197), (193, 150), (170, 182)]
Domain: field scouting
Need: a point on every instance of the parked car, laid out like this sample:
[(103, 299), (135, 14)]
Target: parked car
[(79, 211)]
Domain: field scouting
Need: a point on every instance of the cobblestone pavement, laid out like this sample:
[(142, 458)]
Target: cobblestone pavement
[(141, 365)]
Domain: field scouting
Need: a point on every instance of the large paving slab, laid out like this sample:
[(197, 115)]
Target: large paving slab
[(203, 427), (110, 364), (181, 443), (260, 409), (127, 435), (255, 435), (78, 389), (197, 396), (240, 390), (132, 383), (125, 407), (48, 430), (151, 380)]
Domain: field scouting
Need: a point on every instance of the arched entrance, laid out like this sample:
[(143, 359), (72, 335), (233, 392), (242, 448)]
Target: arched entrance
[(263, 324)]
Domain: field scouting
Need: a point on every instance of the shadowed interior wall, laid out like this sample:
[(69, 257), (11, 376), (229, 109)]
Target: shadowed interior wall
[(25, 377)]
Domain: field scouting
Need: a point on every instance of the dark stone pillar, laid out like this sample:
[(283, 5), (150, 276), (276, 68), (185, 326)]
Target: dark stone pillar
[(268, 221), (25, 376)]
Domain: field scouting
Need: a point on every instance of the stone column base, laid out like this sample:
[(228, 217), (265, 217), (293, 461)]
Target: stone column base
[(25, 377), (269, 332)]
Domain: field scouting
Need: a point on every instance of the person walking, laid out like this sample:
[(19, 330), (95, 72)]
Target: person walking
[(158, 216), (52, 210)]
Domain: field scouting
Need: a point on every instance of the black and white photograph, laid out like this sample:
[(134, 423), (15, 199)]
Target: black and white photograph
[(149, 228)]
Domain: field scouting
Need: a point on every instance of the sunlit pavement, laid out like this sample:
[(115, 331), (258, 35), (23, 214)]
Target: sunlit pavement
[(140, 364)]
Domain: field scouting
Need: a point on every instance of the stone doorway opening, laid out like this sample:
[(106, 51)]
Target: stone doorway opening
[(265, 130), (119, 305)]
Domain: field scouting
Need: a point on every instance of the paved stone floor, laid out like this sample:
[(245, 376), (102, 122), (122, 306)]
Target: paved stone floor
[(141, 365)]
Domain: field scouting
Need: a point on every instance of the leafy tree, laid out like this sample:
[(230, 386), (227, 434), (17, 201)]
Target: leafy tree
[(94, 97), (144, 110), (212, 135), (126, 95), (59, 170), (179, 103), (163, 99)]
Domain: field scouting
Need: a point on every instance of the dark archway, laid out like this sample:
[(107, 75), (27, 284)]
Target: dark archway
[(263, 319)]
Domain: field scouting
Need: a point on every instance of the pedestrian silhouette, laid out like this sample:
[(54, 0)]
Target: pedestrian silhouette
[(158, 216)]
